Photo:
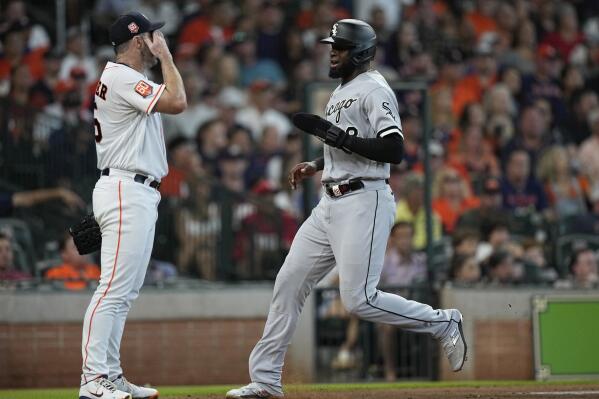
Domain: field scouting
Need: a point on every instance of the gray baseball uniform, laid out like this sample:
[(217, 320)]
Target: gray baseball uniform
[(350, 230)]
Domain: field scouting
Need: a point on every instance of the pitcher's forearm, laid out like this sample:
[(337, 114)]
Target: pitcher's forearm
[(172, 80)]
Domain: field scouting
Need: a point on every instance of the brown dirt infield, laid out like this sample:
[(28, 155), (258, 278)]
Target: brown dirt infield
[(584, 391)]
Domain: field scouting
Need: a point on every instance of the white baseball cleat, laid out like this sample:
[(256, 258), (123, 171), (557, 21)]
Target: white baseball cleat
[(101, 388), (136, 392), (250, 391), (454, 343)]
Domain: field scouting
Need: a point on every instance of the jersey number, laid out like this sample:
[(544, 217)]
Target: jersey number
[(97, 127)]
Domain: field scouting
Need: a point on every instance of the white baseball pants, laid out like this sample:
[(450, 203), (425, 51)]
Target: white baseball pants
[(126, 212), (351, 231)]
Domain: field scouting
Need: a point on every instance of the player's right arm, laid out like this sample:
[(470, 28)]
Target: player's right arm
[(173, 100), (303, 170)]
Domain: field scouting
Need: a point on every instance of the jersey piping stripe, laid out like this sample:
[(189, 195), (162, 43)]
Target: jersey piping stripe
[(116, 257), (368, 272), (389, 130), (155, 99)]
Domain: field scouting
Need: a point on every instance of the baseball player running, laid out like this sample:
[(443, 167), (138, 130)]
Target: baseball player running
[(132, 160), (351, 223)]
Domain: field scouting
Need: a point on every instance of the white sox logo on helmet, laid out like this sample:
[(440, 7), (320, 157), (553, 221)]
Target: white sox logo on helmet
[(334, 30)]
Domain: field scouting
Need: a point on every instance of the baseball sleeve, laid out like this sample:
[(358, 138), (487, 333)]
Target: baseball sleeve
[(382, 112), (142, 94)]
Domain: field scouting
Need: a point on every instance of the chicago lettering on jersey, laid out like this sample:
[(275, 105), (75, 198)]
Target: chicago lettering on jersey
[(101, 90), (343, 104)]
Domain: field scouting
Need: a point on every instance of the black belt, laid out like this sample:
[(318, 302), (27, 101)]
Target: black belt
[(337, 190), (138, 178)]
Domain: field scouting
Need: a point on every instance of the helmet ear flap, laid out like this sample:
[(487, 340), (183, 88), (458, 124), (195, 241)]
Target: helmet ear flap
[(363, 56)]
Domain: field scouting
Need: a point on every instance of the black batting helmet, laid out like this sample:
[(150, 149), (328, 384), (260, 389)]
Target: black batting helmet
[(356, 35)]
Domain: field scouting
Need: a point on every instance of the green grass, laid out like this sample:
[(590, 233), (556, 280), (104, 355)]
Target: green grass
[(166, 392)]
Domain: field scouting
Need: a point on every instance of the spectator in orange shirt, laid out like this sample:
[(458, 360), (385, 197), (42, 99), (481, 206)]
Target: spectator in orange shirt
[(185, 163), (472, 87), (451, 70), (482, 18), (451, 198), (76, 271), (215, 26)]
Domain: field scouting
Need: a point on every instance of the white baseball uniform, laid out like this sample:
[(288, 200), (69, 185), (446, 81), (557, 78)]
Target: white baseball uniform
[(129, 142)]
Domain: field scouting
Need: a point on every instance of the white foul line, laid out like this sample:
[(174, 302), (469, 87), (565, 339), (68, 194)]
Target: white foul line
[(562, 393)]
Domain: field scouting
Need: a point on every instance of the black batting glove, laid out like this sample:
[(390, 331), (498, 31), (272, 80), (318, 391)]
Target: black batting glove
[(337, 137)]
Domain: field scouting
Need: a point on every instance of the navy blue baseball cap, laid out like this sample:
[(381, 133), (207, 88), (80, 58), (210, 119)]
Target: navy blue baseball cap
[(129, 25)]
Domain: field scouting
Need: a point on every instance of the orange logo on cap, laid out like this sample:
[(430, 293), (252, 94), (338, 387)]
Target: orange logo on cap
[(142, 88), (133, 28)]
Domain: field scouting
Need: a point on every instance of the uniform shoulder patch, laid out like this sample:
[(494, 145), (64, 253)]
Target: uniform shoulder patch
[(143, 88)]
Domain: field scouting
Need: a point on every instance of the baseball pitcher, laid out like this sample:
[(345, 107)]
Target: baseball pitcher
[(350, 225), (132, 159)]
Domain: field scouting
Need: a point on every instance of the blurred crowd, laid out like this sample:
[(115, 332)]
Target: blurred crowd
[(515, 117)]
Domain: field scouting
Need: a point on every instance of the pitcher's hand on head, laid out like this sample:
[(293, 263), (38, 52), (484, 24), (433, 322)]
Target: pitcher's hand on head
[(157, 44), (300, 172)]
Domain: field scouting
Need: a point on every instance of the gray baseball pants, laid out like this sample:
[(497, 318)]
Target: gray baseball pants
[(350, 231)]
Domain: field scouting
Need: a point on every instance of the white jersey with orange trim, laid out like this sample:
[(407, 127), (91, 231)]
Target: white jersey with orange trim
[(130, 142), (129, 135)]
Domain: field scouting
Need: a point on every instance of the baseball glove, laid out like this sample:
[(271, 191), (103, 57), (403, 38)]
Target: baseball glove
[(86, 235), (322, 129)]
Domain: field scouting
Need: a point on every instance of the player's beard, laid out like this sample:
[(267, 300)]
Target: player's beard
[(342, 70), (148, 58)]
